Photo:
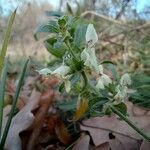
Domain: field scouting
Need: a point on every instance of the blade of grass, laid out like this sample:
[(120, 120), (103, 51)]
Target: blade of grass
[(16, 95), (6, 40), (2, 92)]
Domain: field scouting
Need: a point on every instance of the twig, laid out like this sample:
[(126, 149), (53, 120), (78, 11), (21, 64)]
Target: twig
[(122, 25)]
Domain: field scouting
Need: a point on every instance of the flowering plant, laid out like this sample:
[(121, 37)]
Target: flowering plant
[(97, 85)]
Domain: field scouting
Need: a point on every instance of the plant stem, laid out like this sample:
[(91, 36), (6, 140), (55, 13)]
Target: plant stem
[(85, 80), (70, 49), (129, 122)]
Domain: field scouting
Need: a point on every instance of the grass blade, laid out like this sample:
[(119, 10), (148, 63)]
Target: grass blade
[(6, 40), (2, 92), (16, 95)]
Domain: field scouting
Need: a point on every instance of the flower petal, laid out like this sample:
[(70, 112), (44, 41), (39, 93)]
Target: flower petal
[(100, 69), (125, 80), (67, 85), (44, 71), (121, 93), (91, 35), (100, 84), (106, 80), (62, 71), (89, 58)]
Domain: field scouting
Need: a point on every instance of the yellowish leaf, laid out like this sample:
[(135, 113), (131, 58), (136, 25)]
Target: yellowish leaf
[(82, 108)]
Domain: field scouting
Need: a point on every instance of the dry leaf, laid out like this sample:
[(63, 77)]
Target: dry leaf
[(21, 121), (46, 100), (118, 133), (145, 145), (82, 107), (82, 143), (104, 146), (62, 132)]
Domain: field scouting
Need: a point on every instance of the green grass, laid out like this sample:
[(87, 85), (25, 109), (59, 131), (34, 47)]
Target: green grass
[(15, 98), (6, 40)]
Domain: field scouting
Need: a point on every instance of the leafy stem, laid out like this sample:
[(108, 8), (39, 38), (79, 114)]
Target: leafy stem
[(70, 49), (130, 123)]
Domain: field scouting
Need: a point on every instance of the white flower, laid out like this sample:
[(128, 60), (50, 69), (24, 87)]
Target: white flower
[(100, 84), (91, 36), (125, 80), (61, 71), (89, 58), (88, 54), (103, 81), (121, 89), (44, 71), (121, 93)]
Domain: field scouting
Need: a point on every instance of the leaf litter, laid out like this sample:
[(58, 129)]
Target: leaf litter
[(112, 130), (38, 124)]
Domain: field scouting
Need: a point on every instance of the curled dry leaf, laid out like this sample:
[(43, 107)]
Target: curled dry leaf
[(46, 100), (81, 109), (119, 134), (21, 122)]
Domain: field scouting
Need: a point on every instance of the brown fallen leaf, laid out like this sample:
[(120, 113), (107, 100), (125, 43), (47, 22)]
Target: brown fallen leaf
[(83, 143), (62, 132), (145, 145), (21, 121), (104, 146), (46, 100), (118, 133)]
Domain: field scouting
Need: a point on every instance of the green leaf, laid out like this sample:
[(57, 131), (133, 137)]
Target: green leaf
[(62, 22), (62, 87), (2, 91), (96, 105), (67, 105), (54, 13), (79, 36), (15, 98), (122, 108), (6, 39), (57, 49), (50, 27), (69, 9)]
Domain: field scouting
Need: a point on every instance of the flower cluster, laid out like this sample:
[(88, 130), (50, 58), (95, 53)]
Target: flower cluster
[(88, 57)]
